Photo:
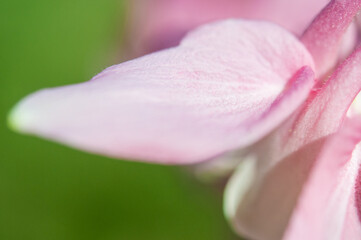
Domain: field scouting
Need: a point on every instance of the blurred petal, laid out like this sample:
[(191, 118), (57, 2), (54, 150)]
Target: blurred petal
[(349, 41), (158, 24), (323, 37), (326, 209), (285, 157), (219, 168), (227, 85), (262, 193)]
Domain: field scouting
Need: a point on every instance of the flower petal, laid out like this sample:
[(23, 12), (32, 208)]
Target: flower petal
[(323, 37), (227, 85), (262, 193), (327, 106), (158, 24), (327, 209), (262, 208)]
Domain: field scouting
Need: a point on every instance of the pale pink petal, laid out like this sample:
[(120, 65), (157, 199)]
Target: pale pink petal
[(262, 208), (158, 24), (227, 85), (327, 209), (262, 193), (323, 37), (349, 41)]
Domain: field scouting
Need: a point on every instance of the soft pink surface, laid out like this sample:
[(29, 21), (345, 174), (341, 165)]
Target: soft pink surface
[(323, 37), (226, 86), (285, 157), (159, 24), (326, 209)]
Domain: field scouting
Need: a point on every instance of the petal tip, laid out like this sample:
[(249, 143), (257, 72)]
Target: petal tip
[(18, 119), (14, 122)]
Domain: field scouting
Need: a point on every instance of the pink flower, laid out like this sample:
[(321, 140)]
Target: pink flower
[(230, 85)]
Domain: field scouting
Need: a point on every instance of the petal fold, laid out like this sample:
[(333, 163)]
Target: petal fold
[(285, 158)]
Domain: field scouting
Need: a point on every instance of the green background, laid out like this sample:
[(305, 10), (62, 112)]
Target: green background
[(48, 191)]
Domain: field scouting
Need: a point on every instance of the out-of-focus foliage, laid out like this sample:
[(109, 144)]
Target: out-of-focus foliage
[(48, 191)]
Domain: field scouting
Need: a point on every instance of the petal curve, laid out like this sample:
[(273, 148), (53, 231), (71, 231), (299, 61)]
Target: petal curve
[(227, 85)]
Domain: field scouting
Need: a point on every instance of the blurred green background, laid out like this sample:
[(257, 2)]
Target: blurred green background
[(52, 192)]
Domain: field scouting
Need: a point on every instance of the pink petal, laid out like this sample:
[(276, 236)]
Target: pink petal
[(227, 85), (327, 209), (349, 41), (327, 106), (159, 24), (262, 208), (324, 35)]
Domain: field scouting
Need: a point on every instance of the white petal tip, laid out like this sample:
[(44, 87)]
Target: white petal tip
[(18, 119), (238, 186)]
